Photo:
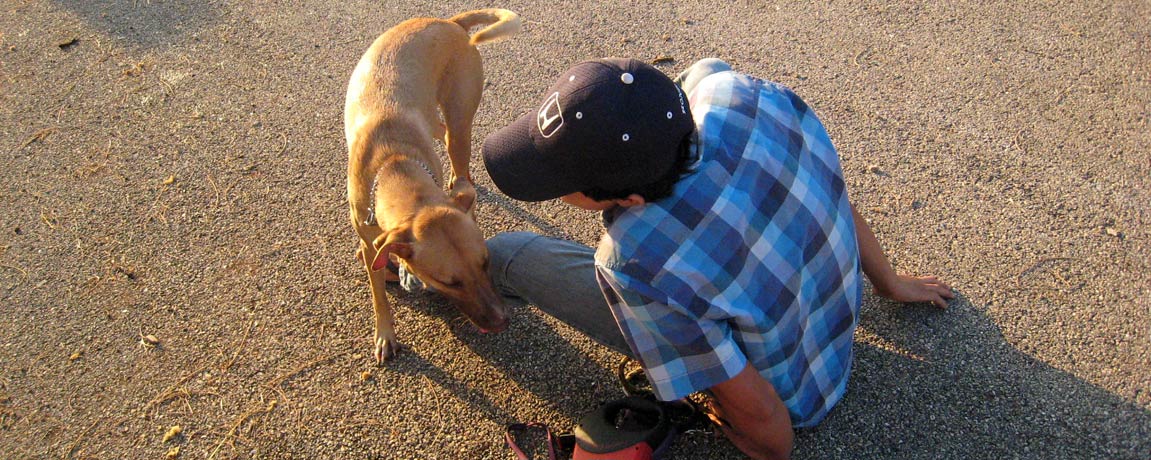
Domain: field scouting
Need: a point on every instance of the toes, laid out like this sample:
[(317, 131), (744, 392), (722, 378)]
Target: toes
[(385, 349)]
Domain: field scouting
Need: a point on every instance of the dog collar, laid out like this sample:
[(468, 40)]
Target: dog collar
[(429, 171), (371, 218)]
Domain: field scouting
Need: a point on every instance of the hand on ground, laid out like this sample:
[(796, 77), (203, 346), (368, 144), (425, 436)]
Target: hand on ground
[(918, 289)]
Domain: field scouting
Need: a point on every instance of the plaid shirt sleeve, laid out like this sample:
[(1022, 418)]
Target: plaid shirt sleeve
[(686, 352)]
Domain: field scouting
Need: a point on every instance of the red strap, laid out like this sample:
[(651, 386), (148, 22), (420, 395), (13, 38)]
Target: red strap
[(524, 427)]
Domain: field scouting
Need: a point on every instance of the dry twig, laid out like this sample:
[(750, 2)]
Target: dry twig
[(49, 219), (171, 391), (283, 144), (280, 380), (23, 273), (239, 348), (38, 136), (858, 59), (230, 436), (1036, 265), (76, 443)]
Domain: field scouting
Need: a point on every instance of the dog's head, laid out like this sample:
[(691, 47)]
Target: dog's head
[(443, 246)]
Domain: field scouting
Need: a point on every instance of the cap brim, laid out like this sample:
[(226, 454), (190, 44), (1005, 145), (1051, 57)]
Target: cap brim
[(519, 170)]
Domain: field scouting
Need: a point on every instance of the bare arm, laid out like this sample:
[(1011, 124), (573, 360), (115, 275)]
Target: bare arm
[(887, 282), (754, 417)]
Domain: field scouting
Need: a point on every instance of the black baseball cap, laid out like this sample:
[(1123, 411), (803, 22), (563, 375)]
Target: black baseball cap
[(609, 123)]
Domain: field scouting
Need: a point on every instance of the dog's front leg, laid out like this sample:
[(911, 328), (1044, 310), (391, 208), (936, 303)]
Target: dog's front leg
[(384, 342), (463, 194)]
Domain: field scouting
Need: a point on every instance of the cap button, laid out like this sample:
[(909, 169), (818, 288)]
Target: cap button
[(627, 78)]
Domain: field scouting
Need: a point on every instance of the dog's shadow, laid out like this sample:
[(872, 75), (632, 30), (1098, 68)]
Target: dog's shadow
[(557, 367), (543, 356)]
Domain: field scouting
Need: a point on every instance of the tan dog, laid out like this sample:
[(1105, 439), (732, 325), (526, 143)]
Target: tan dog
[(398, 205)]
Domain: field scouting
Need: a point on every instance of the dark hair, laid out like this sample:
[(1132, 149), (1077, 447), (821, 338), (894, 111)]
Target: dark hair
[(662, 186)]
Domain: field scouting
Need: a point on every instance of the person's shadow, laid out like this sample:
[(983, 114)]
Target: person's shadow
[(946, 384), (925, 383)]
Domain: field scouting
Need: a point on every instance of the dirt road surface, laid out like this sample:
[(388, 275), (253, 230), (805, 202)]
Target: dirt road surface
[(175, 251)]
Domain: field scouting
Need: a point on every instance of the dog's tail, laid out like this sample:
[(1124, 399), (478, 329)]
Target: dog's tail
[(500, 24)]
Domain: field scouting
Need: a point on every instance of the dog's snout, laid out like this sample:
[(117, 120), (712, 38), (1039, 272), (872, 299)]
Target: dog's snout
[(500, 318), (487, 311), (497, 326), (495, 316)]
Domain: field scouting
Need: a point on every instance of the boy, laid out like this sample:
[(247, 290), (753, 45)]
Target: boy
[(731, 259)]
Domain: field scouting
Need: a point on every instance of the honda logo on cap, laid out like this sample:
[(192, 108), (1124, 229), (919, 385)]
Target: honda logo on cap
[(550, 117)]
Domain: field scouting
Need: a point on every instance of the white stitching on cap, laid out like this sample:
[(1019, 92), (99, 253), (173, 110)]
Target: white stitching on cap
[(626, 137)]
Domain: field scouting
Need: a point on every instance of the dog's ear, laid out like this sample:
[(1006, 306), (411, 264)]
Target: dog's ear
[(463, 194), (397, 241), (401, 250)]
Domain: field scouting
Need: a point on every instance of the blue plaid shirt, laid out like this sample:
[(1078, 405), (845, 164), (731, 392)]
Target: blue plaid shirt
[(752, 260)]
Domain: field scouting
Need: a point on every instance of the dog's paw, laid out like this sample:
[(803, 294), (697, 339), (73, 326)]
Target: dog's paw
[(462, 185), (463, 194), (386, 347)]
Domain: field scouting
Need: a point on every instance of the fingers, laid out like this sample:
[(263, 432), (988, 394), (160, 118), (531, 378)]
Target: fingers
[(918, 289), (936, 291), (944, 292), (935, 282), (931, 289), (941, 292)]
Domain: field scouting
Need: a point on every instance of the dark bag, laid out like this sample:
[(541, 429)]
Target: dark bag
[(632, 428)]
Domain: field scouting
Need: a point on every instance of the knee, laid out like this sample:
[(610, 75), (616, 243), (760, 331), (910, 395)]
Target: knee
[(711, 65), (702, 68), (502, 248)]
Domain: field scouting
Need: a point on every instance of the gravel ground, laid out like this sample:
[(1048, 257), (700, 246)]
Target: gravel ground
[(174, 246)]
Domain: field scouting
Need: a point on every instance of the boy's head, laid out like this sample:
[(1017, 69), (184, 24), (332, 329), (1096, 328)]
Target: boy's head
[(607, 128)]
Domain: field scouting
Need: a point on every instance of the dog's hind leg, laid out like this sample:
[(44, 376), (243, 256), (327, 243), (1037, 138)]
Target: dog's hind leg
[(459, 98)]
